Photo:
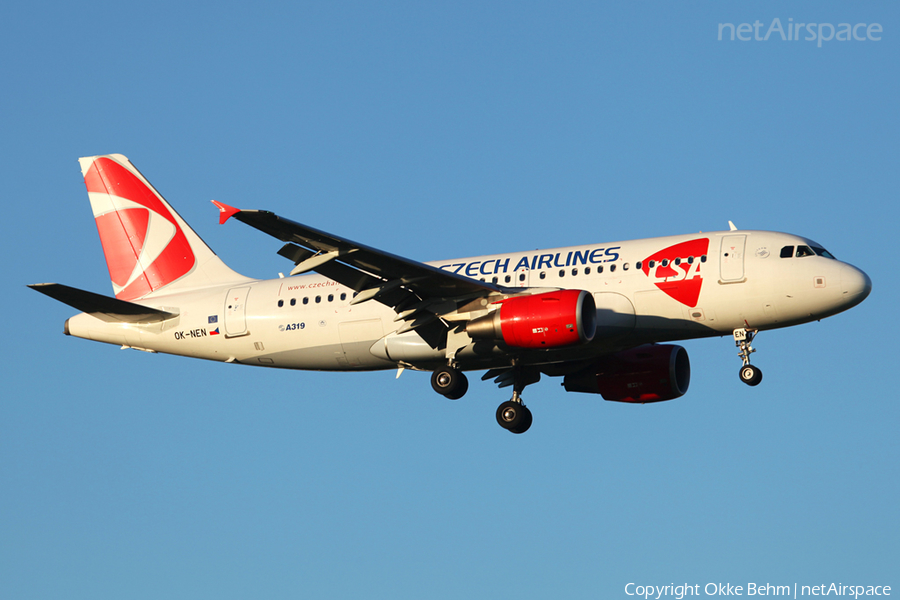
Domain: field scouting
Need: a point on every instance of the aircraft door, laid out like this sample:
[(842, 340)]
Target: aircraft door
[(731, 259), (521, 277), (236, 312)]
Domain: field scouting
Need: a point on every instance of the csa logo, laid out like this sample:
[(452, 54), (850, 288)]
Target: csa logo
[(145, 247), (676, 270)]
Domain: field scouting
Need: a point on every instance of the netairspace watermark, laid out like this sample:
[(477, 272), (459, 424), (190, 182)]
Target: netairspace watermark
[(792, 32), (679, 592)]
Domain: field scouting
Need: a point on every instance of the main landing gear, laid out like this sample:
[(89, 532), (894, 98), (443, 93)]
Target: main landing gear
[(450, 382), (512, 415), (749, 374)]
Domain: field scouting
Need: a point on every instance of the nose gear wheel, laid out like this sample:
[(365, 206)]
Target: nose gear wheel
[(750, 375)]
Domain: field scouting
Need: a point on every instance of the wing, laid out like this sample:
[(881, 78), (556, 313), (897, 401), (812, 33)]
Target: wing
[(419, 293)]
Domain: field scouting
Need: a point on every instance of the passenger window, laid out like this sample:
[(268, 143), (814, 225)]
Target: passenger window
[(562, 273), (521, 276), (280, 303), (600, 269), (574, 271), (343, 297), (703, 258), (787, 252), (293, 302), (587, 270), (804, 251), (318, 299), (331, 297), (543, 275), (612, 268), (305, 300), (638, 265)]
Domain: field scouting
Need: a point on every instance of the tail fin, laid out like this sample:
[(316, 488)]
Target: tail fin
[(148, 246)]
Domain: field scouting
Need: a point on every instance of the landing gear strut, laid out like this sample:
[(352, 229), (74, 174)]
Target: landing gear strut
[(450, 382), (749, 374)]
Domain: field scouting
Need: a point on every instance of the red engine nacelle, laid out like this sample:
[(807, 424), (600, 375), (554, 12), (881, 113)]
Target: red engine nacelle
[(643, 374), (548, 320)]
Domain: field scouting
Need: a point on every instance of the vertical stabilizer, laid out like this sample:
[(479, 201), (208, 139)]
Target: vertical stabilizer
[(148, 246)]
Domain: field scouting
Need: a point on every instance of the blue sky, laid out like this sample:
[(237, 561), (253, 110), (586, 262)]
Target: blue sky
[(438, 130)]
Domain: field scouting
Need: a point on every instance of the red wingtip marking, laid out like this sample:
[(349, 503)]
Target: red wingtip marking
[(225, 211)]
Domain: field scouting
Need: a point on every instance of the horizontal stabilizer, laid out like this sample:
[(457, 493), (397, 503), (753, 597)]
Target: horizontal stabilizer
[(104, 308)]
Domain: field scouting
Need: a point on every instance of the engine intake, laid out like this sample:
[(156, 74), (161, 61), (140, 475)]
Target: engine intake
[(644, 374), (547, 320)]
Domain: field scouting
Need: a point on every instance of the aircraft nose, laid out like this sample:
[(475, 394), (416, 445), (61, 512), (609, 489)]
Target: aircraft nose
[(855, 284)]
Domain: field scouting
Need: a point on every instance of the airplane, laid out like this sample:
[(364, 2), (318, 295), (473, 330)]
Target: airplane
[(599, 316)]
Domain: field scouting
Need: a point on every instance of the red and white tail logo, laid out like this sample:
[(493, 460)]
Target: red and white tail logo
[(145, 246), (676, 270)]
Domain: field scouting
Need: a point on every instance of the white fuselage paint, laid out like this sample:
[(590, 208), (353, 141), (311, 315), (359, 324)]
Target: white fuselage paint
[(307, 322)]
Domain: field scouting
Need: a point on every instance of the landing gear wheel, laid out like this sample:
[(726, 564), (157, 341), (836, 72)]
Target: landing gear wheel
[(750, 375), (449, 382), (514, 416), (461, 388)]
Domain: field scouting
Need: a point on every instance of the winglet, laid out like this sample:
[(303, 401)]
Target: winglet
[(225, 211)]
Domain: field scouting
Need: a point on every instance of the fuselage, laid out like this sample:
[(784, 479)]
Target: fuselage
[(650, 290)]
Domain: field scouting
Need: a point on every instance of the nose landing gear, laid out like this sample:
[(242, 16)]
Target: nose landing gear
[(749, 374)]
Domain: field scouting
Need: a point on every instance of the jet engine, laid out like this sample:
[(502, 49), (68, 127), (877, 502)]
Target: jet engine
[(651, 373), (547, 320)]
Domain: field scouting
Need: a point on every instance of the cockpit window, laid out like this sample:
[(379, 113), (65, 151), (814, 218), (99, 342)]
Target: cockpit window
[(788, 251), (822, 252)]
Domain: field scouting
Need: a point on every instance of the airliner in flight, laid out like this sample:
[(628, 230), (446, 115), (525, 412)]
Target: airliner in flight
[(599, 316)]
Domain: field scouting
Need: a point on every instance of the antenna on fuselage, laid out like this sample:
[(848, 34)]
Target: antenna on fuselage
[(731, 226)]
